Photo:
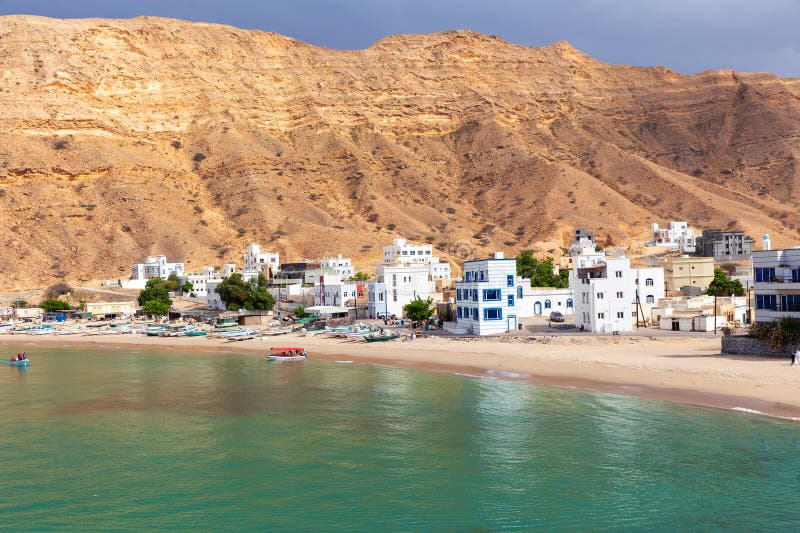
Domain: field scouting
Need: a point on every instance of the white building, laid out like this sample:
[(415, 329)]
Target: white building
[(201, 280), (604, 289), (340, 266), (334, 291), (541, 301), (404, 253), (397, 286), (153, 267), (487, 301), (776, 283), (676, 234), (255, 261)]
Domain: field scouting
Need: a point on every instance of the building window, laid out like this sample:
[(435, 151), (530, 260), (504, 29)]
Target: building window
[(618, 273), (650, 299), (474, 313), (620, 314), (469, 276), (511, 300), (599, 295), (764, 275), (510, 280), (412, 252), (394, 280), (491, 295), (474, 295), (458, 310), (766, 301), (619, 294), (601, 315), (483, 275), (648, 282), (547, 304), (519, 293), (493, 313), (394, 294), (569, 303), (380, 296)]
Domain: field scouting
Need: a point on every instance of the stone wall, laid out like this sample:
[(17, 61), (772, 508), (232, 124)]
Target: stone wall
[(755, 347)]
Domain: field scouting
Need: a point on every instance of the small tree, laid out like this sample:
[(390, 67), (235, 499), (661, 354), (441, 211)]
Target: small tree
[(172, 283), (598, 248), (253, 294), (155, 308), (419, 309), (300, 312), (361, 276), (54, 304), (154, 291), (722, 285), (187, 287)]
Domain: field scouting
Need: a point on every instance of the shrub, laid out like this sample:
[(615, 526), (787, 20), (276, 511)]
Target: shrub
[(199, 156), (54, 304), (176, 144), (58, 289)]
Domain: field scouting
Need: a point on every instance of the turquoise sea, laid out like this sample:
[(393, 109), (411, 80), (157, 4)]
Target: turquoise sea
[(118, 439)]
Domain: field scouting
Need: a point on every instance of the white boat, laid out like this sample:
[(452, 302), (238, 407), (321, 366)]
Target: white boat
[(290, 353), (18, 362), (41, 330)]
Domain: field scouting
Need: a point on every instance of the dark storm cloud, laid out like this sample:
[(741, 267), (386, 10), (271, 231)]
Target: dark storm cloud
[(688, 36)]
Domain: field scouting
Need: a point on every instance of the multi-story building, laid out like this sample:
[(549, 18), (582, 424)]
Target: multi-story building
[(724, 245), (396, 286), (688, 271), (408, 271), (487, 301), (405, 253), (333, 290), (266, 263), (776, 284), (604, 290), (156, 267), (675, 234), (201, 280)]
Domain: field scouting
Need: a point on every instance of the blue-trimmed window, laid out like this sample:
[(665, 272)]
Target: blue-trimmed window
[(766, 301), (458, 309), (511, 300), (795, 275), (474, 295), (548, 304), (493, 313), (483, 275), (469, 276), (510, 280), (764, 275), (474, 313), (491, 295), (519, 292)]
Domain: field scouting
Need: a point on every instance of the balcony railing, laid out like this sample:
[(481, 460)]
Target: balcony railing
[(789, 308), (781, 279)]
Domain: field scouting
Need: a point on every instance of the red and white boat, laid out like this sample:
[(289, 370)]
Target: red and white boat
[(287, 353)]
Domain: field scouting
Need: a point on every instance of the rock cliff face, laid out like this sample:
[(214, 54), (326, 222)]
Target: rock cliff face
[(123, 138)]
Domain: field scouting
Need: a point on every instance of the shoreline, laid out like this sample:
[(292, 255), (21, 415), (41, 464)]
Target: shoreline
[(680, 370)]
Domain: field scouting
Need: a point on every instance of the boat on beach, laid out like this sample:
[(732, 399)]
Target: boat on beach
[(381, 338), (287, 353)]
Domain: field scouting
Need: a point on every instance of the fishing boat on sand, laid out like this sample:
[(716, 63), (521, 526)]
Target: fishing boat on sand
[(381, 338), (287, 353)]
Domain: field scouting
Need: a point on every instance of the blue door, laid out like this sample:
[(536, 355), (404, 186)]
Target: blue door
[(537, 308)]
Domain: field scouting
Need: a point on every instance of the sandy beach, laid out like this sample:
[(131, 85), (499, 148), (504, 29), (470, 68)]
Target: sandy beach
[(680, 369)]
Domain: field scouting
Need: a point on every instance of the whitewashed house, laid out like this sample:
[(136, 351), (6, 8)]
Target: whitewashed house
[(776, 284), (408, 271), (405, 253), (603, 288), (255, 261), (676, 234), (201, 280), (487, 301), (335, 291), (541, 301), (155, 266)]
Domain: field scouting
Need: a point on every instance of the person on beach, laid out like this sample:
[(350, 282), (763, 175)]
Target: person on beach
[(795, 357)]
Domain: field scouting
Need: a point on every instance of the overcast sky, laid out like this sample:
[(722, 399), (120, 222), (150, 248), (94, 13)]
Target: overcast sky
[(686, 35)]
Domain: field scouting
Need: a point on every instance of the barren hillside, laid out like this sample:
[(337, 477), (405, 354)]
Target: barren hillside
[(123, 138)]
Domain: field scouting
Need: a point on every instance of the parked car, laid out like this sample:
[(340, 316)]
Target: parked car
[(555, 316)]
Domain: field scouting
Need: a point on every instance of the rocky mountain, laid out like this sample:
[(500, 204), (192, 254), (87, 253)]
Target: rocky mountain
[(123, 138)]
